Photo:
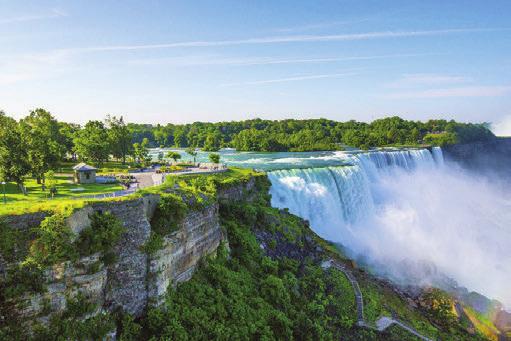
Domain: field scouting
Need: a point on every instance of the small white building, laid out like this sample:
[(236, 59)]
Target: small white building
[(84, 174)]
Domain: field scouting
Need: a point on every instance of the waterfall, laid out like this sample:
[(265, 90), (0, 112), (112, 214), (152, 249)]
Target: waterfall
[(333, 198), (408, 206)]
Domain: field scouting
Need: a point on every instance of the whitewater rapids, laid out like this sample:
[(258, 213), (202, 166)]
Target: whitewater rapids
[(391, 208)]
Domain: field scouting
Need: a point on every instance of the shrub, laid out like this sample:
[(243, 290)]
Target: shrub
[(13, 243), (153, 244), (170, 212), (53, 243), (130, 330), (104, 232), (214, 157), (21, 279)]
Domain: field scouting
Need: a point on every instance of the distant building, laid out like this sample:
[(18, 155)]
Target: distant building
[(84, 174)]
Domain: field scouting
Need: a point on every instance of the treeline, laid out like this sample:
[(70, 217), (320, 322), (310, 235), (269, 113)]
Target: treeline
[(309, 135), (38, 142)]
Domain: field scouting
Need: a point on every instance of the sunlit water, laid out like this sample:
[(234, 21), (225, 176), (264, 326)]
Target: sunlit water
[(398, 205)]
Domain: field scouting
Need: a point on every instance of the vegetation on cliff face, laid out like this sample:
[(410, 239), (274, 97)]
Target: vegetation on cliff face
[(244, 294), (266, 283), (31, 253)]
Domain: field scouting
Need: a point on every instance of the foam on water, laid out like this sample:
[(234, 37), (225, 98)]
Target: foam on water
[(407, 205)]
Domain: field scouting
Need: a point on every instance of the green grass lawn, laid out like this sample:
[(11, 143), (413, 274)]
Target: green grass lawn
[(18, 203)]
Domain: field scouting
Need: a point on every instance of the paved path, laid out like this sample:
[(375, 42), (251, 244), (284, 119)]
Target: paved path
[(198, 171), (383, 322), (149, 179)]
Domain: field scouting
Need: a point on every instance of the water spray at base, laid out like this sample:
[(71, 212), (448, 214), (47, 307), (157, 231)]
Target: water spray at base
[(408, 206)]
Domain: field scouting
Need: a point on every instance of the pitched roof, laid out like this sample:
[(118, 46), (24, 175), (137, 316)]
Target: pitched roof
[(83, 167)]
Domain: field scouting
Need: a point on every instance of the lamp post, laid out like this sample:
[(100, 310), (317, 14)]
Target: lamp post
[(5, 199)]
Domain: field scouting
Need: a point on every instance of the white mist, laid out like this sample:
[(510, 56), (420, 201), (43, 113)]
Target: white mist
[(409, 206)]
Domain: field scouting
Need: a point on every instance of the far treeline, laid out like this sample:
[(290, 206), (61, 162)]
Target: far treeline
[(37, 143), (309, 135)]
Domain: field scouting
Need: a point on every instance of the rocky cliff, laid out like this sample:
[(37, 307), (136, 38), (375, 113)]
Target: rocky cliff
[(136, 279)]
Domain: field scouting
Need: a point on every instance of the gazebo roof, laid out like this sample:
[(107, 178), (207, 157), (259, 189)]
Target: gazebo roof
[(82, 167)]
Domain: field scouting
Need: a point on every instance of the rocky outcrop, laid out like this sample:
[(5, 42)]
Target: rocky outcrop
[(199, 235), (134, 279)]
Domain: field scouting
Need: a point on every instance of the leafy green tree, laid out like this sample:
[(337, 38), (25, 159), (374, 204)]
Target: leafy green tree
[(41, 131), (174, 155), (91, 143), (440, 139), (160, 156), (68, 132), (51, 182), (214, 157), (192, 152), (212, 142), (119, 137), (141, 150), (14, 160), (180, 138)]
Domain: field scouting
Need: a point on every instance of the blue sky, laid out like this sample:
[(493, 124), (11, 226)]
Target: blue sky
[(185, 61)]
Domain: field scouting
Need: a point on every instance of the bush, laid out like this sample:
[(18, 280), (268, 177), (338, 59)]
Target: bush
[(170, 212), (104, 232), (13, 243), (130, 330), (214, 157), (20, 280), (153, 244), (53, 243)]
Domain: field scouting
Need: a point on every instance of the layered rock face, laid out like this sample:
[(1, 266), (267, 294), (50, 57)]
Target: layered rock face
[(135, 279), (199, 235)]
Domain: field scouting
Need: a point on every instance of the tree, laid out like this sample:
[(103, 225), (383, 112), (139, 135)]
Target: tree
[(51, 182), (192, 152), (214, 157), (14, 163), (141, 151), (119, 137), (68, 132), (440, 139), (212, 142), (41, 131), (91, 143), (173, 155)]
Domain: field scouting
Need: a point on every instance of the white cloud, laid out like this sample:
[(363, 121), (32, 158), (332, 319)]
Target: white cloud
[(283, 39), (419, 79), (322, 25), (293, 79), (467, 91), (502, 128), (212, 60), (55, 13)]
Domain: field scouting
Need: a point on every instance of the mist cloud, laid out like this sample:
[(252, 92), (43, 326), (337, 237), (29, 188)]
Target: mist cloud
[(502, 128)]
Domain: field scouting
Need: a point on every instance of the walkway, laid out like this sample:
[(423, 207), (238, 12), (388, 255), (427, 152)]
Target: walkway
[(198, 171), (149, 179), (383, 322)]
